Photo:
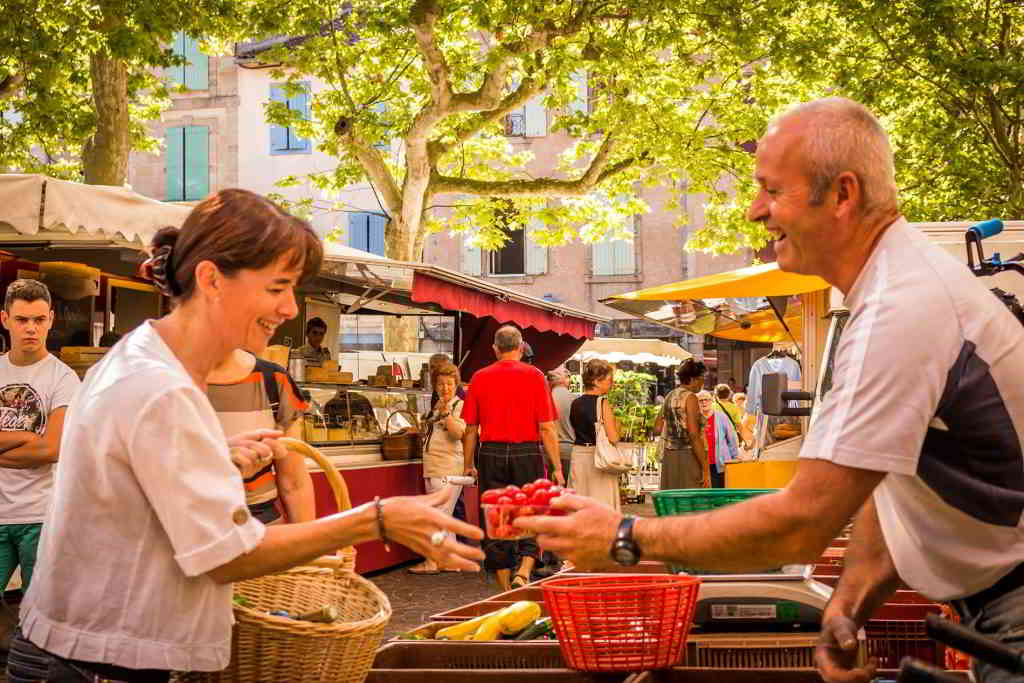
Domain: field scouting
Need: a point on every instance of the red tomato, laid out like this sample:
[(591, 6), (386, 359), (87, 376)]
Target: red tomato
[(526, 511), (493, 518), (489, 497), (540, 497), (504, 500), (528, 489), (543, 483), (556, 491), (520, 498), (510, 489)]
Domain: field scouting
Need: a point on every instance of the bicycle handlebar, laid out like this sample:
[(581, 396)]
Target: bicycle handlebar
[(916, 671), (974, 644)]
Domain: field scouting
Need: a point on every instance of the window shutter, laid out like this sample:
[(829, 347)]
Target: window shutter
[(536, 254), (174, 155), (197, 162), (177, 73), (471, 257), (197, 71), (582, 101), (536, 118), (603, 254), (377, 224), (358, 231), (278, 134), (299, 103), (623, 257)]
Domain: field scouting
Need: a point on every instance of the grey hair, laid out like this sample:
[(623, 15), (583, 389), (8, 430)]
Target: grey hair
[(842, 135), (508, 339)]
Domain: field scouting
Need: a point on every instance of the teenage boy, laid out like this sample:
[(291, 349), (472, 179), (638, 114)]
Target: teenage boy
[(35, 391)]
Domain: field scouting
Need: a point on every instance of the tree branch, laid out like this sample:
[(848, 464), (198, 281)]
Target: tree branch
[(10, 84), (598, 171), (423, 18), (376, 171)]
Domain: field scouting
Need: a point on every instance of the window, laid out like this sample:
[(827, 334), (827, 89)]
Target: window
[(614, 257), (195, 75), (283, 140), (581, 103), (510, 259), (519, 256), (366, 232), (530, 120), (188, 163)]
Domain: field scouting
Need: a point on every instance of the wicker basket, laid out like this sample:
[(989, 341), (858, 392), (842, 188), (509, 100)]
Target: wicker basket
[(265, 648), (403, 445)]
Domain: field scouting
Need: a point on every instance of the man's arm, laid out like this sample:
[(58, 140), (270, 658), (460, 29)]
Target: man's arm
[(294, 483), (469, 439), (792, 526), (869, 577), (41, 450), (549, 437), (9, 440)]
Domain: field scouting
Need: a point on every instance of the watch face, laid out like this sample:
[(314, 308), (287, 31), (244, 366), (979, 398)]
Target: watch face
[(623, 554)]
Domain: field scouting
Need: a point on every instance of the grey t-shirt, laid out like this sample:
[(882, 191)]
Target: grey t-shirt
[(929, 387), (28, 394), (563, 399)]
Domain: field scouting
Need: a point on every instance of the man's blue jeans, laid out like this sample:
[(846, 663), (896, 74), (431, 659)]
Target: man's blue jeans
[(1002, 619)]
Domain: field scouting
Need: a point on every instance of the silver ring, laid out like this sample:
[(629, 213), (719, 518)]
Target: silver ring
[(437, 538)]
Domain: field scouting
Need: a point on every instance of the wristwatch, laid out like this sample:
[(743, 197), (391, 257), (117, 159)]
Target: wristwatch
[(624, 550)]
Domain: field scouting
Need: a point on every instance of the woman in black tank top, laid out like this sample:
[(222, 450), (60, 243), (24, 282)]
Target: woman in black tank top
[(598, 377)]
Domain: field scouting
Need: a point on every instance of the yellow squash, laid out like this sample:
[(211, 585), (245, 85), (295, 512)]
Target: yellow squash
[(518, 616), (464, 630)]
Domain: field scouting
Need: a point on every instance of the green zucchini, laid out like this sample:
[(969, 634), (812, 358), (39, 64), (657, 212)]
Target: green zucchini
[(538, 629)]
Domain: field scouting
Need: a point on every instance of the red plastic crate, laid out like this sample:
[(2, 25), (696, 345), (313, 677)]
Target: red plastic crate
[(897, 631), (622, 622)]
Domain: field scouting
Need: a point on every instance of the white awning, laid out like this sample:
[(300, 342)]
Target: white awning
[(39, 208), (616, 350)]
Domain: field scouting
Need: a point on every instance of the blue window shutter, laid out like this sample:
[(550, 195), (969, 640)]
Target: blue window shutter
[(176, 74), (377, 224), (299, 103), (197, 71), (197, 162), (174, 154), (582, 99), (604, 258), (278, 134), (358, 231)]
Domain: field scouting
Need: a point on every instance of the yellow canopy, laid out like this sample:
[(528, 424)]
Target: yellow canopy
[(764, 328), (762, 280)]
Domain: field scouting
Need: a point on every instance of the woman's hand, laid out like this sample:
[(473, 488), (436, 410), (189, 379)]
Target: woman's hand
[(253, 450), (412, 521)]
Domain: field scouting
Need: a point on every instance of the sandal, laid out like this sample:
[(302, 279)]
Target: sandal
[(518, 581)]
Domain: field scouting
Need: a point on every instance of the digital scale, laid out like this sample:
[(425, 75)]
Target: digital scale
[(785, 600)]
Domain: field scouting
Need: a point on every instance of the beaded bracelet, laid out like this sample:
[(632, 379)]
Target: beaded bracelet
[(380, 522)]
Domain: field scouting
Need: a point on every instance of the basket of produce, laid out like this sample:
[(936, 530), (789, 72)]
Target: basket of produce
[(622, 622), (306, 624), (403, 444), (683, 501)]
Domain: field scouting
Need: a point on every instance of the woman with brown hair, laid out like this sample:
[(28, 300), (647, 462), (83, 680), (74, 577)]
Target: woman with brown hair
[(684, 463), (598, 378), (148, 525), (442, 447)]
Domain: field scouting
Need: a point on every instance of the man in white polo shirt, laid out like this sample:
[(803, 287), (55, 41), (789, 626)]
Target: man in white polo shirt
[(920, 436), (35, 390)]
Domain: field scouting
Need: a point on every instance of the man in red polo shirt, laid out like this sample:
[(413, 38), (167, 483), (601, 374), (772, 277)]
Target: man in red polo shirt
[(509, 410)]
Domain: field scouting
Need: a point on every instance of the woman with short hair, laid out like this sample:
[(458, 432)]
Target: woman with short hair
[(598, 378), (148, 526)]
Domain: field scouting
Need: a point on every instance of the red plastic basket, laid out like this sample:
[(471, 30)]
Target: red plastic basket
[(622, 622)]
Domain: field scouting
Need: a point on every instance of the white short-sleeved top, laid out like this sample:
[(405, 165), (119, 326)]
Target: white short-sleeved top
[(146, 501), (929, 387), (29, 394)]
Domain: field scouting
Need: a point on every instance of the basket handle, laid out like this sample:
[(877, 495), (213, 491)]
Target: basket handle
[(415, 421), (337, 483)]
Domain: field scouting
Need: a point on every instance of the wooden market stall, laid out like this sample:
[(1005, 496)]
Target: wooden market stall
[(87, 242)]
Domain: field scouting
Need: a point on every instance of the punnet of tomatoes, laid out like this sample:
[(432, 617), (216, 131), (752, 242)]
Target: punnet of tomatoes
[(502, 506)]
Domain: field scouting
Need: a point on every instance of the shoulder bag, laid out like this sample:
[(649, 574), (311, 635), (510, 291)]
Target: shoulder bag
[(608, 457)]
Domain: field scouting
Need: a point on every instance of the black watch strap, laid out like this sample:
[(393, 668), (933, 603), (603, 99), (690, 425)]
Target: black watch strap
[(624, 550)]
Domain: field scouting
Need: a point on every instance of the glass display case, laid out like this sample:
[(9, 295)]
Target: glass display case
[(357, 415)]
